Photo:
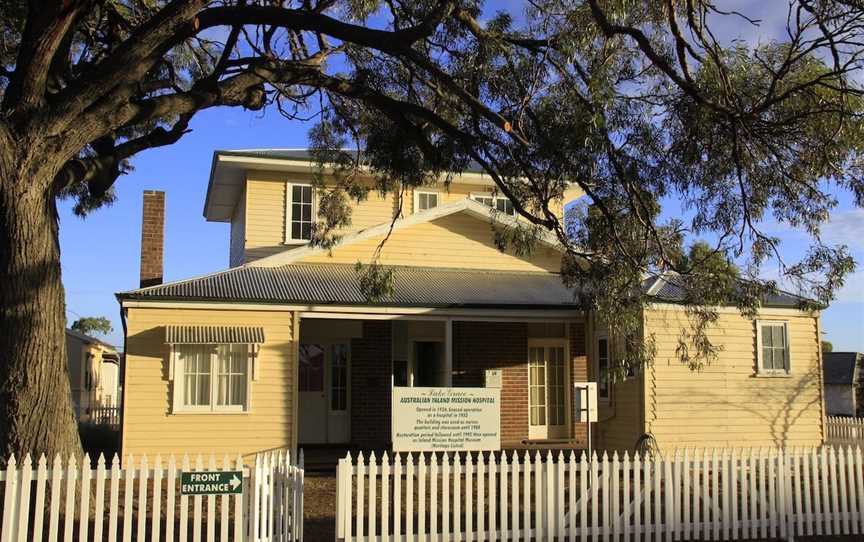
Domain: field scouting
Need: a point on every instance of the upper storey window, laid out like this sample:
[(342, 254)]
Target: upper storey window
[(424, 200), (299, 212), (499, 203)]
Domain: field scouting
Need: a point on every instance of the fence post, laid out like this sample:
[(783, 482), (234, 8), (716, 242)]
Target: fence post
[(340, 499)]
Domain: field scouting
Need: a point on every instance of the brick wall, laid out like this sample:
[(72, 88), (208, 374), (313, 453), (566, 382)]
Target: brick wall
[(370, 386), (152, 237), (478, 346), (578, 373)]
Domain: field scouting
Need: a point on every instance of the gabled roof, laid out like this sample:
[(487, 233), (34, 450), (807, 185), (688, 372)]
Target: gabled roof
[(839, 367), (338, 284), (466, 205), (228, 175)]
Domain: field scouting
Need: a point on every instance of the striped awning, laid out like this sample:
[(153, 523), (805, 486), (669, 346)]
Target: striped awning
[(214, 335)]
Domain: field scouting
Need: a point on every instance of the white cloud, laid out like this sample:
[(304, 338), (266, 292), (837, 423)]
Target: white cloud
[(847, 228)]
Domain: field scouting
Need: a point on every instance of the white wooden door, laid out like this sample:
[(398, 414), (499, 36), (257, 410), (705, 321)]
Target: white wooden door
[(547, 389)]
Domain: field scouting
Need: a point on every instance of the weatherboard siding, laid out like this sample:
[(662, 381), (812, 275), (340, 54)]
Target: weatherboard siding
[(265, 216), (726, 404), (263, 211), (149, 427), (237, 243), (456, 241)]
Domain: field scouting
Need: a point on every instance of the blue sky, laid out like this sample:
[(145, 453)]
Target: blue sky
[(100, 254)]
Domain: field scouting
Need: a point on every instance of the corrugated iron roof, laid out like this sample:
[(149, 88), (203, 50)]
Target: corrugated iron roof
[(214, 335), (337, 284), (666, 290)]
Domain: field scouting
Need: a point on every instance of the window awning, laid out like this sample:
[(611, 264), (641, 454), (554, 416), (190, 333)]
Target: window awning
[(214, 335)]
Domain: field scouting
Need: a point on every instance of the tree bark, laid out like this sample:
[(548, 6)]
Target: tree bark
[(36, 413)]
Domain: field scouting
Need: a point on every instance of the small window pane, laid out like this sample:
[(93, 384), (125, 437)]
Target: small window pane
[(777, 336), (232, 374), (195, 361), (339, 378), (311, 369)]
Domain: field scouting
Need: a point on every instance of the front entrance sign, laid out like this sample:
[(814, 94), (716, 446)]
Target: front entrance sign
[(446, 419), (227, 482)]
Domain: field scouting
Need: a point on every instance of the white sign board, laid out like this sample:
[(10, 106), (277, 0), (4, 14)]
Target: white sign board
[(585, 401), (446, 419), (493, 378)]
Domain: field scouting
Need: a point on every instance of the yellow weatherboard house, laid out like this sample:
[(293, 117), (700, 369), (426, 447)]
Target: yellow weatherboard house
[(282, 349)]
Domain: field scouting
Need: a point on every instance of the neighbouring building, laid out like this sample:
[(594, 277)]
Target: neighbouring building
[(844, 383), (282, 349), (94, 374)]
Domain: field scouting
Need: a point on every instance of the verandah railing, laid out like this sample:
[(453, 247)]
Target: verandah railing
[(707, 494), (140, 500), (103, 415)]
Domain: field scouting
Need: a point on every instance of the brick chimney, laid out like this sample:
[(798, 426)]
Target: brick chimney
[(152, 237)]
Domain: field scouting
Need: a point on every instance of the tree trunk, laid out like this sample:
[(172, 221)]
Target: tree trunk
[(35, 397)]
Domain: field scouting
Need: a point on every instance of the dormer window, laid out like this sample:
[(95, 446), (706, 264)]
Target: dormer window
[(499, 203), (299, 212), (425, 200)]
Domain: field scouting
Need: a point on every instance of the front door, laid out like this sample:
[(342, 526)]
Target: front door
[(324, 393), (547, 385), (313, 397)]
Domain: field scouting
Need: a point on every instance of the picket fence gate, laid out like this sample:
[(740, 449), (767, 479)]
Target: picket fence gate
[(71, 501), (841, 430), (690, 494)]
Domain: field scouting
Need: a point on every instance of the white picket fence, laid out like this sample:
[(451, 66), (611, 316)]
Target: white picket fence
[(708, 495), (840, 430), (141, 501)]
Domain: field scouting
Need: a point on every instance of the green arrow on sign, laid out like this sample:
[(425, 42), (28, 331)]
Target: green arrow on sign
[(226, 482)]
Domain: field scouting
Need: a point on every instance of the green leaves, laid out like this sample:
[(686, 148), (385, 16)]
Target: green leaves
[(92, 325)]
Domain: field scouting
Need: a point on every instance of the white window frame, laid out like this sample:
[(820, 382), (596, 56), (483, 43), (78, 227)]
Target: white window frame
[(289, 211), (760, 368), (603, 336), (476, 196), (417, 194), (177, 374)]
